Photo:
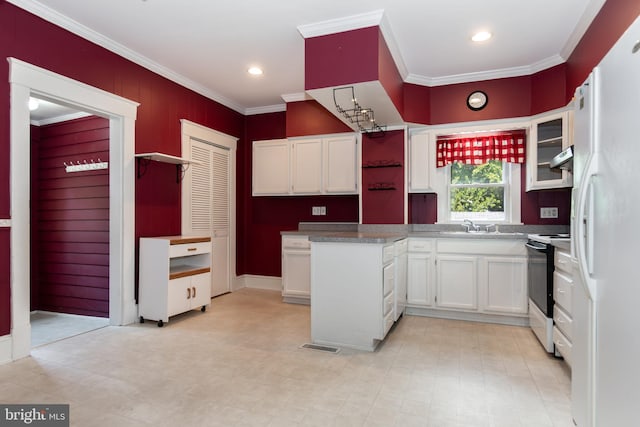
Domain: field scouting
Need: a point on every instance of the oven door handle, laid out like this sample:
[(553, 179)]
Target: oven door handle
[(536, 247)]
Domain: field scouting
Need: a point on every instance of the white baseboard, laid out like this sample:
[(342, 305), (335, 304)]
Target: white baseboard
[(258, 282), (513, 320), (5, 349)]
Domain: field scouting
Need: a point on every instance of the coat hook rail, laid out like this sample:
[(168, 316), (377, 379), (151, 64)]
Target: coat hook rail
[(81, 166)]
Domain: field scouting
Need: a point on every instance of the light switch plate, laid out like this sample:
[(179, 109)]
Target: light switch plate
[(319, 210), (548, 212)]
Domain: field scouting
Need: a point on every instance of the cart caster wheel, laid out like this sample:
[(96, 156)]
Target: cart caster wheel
[(204, 308), (141, 319), (160, 323)]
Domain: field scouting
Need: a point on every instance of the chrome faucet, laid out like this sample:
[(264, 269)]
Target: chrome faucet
[(468, 225)]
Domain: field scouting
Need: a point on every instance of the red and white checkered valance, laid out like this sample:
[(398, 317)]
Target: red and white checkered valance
[(478, 149)]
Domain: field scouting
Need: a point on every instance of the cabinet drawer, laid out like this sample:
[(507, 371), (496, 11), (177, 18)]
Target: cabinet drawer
[(562, 321), (388, 323), (189, 249), (387, 254), (400, 247), (563, 291), (420, 245), (563, 345), (388, 279), (296, 242), (562, 262), (388, 304)]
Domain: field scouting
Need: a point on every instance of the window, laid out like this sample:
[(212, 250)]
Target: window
[(477, 192)]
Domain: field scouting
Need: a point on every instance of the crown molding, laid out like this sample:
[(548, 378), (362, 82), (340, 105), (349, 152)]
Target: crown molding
[(589, 14), (276, 108), (338, 25), (526, 70), (296, 97), (75, 27), (393, 46)]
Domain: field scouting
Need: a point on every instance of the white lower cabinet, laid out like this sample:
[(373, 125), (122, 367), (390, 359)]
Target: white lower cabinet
[(420, 267), (296, 269), (352, 293), (563, 283), (400, 278), (420, 272), (468, 278), (187, 293), (175, 276), (505, 284), (456, 282)]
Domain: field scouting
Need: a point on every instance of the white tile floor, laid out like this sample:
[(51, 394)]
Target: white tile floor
[(239, 364), (47, 327)]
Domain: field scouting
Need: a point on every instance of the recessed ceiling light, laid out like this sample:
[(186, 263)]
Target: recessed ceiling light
[(255, 71), (481, 36)]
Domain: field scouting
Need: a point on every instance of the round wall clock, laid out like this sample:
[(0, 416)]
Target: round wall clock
[(477, 100)]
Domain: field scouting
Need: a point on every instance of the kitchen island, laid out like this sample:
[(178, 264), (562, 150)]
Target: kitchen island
[(362, 278), (352, 288)]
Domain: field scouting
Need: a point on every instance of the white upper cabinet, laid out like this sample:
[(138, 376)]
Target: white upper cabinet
[(270, 167), (421, 163), (549, 136), (305, 166), (341, 158)]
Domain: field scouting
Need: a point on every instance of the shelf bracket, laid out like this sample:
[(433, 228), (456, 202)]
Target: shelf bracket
[(143, 164), (182, 164)]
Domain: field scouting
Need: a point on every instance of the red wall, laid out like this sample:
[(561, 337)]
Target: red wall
[(70, 219), (311, 118), (263, 218), (507, 98), (607, 27), (383, 206), (162, 104), (388, 74), (5, 284), (355, 51), (423, 208)]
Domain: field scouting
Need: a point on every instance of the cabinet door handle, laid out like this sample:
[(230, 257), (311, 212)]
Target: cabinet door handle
[(192, 249), (194, 291), (188, 293)]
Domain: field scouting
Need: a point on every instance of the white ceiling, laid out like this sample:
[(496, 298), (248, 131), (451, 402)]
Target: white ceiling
[(208, 45)]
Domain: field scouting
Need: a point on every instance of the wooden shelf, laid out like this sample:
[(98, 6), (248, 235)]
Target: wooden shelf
[(186, 271), (381, 164), (166, 158), (144, 159), (551, 142)]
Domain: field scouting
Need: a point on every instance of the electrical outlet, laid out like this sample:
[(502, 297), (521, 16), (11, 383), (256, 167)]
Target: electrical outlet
[(319, 210), (548, 212)]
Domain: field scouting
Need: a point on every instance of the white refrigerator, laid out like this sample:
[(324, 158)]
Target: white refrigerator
[(606, 240)]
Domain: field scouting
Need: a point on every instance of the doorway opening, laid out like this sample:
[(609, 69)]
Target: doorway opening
[(69, 221), (27, 81)]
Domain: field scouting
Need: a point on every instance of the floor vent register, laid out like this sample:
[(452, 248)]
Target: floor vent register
[(324, 348)]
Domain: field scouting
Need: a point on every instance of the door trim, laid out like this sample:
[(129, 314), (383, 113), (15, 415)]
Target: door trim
[(26, 79)]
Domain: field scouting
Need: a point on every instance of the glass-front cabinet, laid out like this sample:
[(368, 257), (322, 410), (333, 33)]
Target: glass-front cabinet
[(549, 136)]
